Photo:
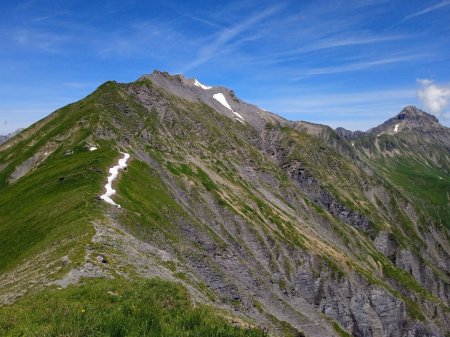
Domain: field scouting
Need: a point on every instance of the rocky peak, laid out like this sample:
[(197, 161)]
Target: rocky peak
[(220, 98), (410, 119), (163, 77), (159, 77), (414, 114), (165, 74)]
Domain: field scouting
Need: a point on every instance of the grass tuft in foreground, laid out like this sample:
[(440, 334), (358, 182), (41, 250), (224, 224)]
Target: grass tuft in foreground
[(115, 308)]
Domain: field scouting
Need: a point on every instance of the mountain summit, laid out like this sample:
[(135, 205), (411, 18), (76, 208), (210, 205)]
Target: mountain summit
[(411, 119), (413, 113), (271, 226), (221, 99)]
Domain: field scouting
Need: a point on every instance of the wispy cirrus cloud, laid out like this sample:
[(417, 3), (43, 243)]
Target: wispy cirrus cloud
[(324, 28), (150, 38), (426, 10), (356, 66), (319, 45), (209, 23), (40, 39), (220, 41), (348, 41)]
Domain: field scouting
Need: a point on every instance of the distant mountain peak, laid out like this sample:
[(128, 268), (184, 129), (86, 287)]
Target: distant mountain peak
[(413, 113), (410, 118)]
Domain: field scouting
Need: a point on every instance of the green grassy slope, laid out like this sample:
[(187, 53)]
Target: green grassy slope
[(116, 308), (430, 186), (51, 205), (54, 203), (415, 167)]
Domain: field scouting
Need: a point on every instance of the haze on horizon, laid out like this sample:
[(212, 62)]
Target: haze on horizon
[(351, 64)]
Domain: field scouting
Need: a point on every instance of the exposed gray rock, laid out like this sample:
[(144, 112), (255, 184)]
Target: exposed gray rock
[(88, 270), (348, 134), (386, 244), (312, 189), (182, 87)]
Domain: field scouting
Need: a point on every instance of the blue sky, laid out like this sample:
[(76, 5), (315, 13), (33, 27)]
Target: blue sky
[(342, 63)]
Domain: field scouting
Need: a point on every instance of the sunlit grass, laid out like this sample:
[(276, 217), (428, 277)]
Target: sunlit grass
[(116, 308)]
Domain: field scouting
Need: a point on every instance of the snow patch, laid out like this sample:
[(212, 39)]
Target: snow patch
[(396, 128), (113, 173), (237, 114), (92, 148), (198, 84), (262, 109), (353, 144), (222, 100)]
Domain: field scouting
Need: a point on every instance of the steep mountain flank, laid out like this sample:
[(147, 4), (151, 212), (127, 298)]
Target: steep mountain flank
[(289, 226)]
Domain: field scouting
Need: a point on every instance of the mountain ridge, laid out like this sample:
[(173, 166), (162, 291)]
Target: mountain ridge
[(283, 223)]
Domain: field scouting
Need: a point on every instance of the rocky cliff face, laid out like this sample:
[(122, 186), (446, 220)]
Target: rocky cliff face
[(283, 223)]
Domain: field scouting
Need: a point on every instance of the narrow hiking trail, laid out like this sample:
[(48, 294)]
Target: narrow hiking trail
[(113, 173)]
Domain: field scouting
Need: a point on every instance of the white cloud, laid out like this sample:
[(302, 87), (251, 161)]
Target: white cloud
[(435, 97)]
